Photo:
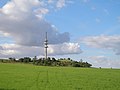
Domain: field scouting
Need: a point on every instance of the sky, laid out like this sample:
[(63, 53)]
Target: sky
[(77, 29)]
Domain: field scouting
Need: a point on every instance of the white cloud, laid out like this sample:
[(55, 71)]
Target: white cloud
[(65, 48), (60, 3), (14, 50), (42, 11), (50, 1), (103, 61), (103, 58), (104, 42), (24, 21), (19, 19)]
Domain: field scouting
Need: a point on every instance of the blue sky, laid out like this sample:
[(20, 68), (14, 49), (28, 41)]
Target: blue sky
[(91, 18), (93, 27)]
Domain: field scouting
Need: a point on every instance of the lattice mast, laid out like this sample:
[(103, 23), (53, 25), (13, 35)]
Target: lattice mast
[(46, 45)]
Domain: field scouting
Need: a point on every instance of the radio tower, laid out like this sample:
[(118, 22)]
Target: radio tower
[(46, 45)]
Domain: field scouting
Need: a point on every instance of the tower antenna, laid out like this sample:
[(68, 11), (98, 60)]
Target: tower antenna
[(46, 45)]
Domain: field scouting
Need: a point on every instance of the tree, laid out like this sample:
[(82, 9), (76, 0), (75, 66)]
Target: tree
[(27, 60), (21, 60), (12, 59), (34, 59), (69, 59)]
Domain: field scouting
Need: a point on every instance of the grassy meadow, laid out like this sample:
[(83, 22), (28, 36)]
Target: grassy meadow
[(30, 77)]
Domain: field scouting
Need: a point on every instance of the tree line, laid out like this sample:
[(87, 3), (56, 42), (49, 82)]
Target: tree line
[(49, 62)]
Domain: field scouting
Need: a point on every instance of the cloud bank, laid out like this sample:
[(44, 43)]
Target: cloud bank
[(103, 61), (13, 50), (104, 42), (24, 21)]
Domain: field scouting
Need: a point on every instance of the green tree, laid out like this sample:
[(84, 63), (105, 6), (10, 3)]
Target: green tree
[(34, 59)]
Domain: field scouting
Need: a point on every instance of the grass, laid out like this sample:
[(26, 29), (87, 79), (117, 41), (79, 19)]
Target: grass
[(29, 77)]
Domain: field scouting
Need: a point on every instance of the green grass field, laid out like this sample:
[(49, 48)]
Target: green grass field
[(29, 77)]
